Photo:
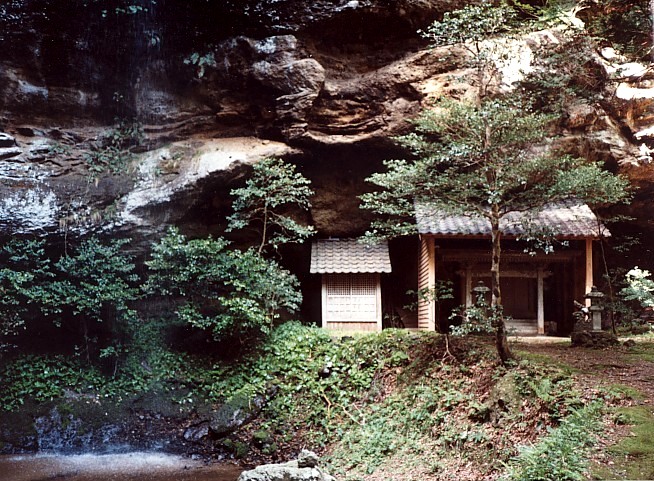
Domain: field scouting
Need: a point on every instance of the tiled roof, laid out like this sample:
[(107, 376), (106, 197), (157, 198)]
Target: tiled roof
[(348, 256), (564, 220)]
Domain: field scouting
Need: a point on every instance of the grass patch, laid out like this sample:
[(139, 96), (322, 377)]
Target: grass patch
[(642, 351), (634, 455), (622, 391), (545, 360)]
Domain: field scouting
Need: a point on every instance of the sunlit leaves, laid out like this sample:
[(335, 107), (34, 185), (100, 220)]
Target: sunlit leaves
[(472, 23), (267, 201)]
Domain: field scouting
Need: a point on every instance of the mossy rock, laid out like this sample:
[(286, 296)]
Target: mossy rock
[(504, 399), (237, 448), (261, 438), (239, 410), (593, 339)]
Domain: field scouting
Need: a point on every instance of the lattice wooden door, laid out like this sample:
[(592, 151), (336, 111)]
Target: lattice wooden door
[(351, 297)]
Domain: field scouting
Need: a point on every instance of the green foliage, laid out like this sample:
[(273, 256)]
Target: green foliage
[(475, 319), (474, 28), (479, 161), (472, 23), (562, 454), (439, 292), (267, 200), (97, 282), (549, 389), (114, 153), (230, 293), (639, 287), (626, 24), (201, 62), (24, 276), (142, 364), (318, 381), (44, 379)]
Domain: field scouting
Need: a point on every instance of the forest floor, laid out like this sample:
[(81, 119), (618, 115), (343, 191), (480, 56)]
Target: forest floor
[(626, 448)]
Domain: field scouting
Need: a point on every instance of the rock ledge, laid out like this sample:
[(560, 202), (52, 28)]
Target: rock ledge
[(304, 468)]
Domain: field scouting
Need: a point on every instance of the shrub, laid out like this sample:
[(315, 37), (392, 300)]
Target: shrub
[(639, 287), (115, 155), (25, 273), (229, 293), (263, 204)]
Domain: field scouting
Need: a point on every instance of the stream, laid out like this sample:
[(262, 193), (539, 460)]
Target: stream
[(142, 466)]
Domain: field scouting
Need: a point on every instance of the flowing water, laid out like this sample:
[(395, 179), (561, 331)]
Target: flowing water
[(112, 467)]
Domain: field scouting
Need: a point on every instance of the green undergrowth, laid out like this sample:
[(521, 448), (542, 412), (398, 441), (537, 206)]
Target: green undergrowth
[(124, 371), (394, 405), (316, 379), (389, 405), (562, 454)]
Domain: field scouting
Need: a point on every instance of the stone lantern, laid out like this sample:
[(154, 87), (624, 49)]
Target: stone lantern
[(595, 310), (479, 293)]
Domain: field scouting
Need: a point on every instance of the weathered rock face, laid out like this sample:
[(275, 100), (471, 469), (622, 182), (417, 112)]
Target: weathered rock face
[(324, 84)]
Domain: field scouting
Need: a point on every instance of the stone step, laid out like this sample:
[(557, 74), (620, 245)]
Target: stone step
[(522, 327)]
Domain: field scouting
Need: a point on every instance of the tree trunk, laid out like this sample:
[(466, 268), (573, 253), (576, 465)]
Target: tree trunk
[(501, 341)]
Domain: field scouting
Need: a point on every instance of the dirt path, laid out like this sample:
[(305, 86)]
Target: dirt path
[(629, 366)]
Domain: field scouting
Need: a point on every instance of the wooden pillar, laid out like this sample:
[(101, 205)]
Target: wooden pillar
[(378, 302), (541, 301), (324, 300), (589, 269), (468, 287), (427, 280)]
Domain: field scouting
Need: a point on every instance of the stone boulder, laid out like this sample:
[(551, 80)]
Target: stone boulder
[(304, 468), (279, 66), (594, 339), (237, 411)]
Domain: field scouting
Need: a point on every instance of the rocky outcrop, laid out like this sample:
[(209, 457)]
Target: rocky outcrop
[(325, 84), (305, 468)]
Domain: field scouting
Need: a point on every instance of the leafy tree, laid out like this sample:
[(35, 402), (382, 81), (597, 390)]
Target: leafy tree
[(96, 284), (266, 202), (482, 158), (230, 293)]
